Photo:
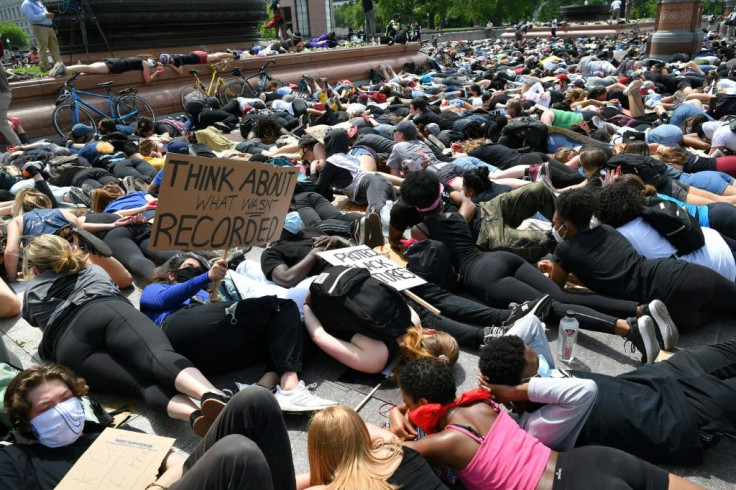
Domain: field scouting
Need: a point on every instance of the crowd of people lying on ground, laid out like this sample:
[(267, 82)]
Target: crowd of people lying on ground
[(507, 175)]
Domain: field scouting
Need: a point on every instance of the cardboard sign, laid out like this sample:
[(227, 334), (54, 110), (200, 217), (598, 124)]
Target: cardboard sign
[(378, 265), (118, 459), (215, 203)]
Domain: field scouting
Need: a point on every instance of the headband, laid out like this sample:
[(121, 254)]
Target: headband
[(434, 205)]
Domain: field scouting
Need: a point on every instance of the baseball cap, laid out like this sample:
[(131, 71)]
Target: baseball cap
[(80, 129), (408, 129), (177, 146)]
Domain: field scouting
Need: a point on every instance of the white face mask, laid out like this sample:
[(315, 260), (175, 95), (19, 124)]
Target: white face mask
[(60, 425), (556, 234)]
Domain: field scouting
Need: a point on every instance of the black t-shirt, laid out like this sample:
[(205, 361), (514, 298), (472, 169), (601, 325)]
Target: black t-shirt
[(603, 260), (499, 156), (696, 163), (37, 467), (494, 190), (414, 473), (291, 251), (444, 120)]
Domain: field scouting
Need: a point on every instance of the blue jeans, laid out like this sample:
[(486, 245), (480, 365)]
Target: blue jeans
[(469, 163), (531, 331), (711, 181), (683, 111), (666, 134), (556, 141)]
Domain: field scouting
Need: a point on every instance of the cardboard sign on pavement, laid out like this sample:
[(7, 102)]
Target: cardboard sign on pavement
[(118, 459)]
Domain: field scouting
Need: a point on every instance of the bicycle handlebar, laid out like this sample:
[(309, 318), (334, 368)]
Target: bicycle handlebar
[(272, 62)]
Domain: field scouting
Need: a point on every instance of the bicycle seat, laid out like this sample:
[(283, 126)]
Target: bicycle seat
[(105, 84), (194, 72)]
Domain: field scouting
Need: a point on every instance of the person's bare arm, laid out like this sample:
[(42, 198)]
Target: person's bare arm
[(466, 207), (12, 248)]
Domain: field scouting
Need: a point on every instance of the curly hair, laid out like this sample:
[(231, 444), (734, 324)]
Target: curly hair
[(577, 207), (16, 395), (476, 179), (618, 204), (428, 378), (502, 360), (419, 189)]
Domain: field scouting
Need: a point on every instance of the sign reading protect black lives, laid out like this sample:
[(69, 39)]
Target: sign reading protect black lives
[(215, 203)]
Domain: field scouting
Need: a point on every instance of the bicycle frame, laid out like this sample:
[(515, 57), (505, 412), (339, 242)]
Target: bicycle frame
[(76, 101), (215, 82)]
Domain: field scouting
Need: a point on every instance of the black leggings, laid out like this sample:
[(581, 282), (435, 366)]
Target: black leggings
[(704, 296), (117, 349), (560, 174), (722, 218), (93, 177), (139, 169), (223, 337), (376, 190), (462, 318), (246, 448), (606, 468), (317, 212), (131, 249), (500, 278)]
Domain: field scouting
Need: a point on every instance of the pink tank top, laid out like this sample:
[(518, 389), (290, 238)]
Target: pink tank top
[(508, 458)]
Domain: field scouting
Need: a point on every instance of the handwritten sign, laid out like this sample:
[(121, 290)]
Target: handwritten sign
[(380, 267), (118, 459), (213, 203)]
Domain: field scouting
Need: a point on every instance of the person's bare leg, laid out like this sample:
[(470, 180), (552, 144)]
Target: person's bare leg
[(180, 407), (192, 382), (9, 302), (368, 163), (269, 379), (212, 57), (289, 380), (515, 172), (97, 68), (636, 105), (513, 183), (547, 118)]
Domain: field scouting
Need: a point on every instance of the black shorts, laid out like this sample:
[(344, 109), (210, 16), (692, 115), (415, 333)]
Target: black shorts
[(609, 468)]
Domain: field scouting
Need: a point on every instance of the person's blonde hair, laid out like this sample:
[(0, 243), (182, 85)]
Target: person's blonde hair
[(418, 342), (105, 195), (672, 154), (341, 454), (51, 252), (565, 154), (146, 147), (470, 145), (28, 199)]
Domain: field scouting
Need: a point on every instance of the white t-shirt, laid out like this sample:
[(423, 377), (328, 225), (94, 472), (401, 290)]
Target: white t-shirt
[(647, 241), (720, 134), (616, 5)]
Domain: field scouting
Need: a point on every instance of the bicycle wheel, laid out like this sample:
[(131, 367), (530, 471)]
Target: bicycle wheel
[(233, 89), (63, 118), (131, 107), (183, 93)]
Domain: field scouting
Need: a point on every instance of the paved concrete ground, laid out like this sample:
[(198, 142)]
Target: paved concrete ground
[(596, 352)]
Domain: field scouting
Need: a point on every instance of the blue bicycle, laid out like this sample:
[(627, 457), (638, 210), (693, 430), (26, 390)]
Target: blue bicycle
[(125, 107)]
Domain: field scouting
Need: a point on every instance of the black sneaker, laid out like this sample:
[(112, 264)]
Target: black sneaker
[(222, 127), (78, 196), (212, 404), (538, 307), (643, 338), (373, 233), (32, 168), (493, 332), (666, 329)]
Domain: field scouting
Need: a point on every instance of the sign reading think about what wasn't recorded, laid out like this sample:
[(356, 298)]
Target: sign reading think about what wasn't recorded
[(380, 267), (215, 203)]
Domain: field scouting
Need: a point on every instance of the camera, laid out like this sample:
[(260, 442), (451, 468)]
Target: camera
[(548, 243)]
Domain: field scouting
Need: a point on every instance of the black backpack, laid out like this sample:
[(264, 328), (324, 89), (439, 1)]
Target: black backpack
[(650, 170), (348, 300), (725, 105), (527, 132), (675, 224), (430, 260)]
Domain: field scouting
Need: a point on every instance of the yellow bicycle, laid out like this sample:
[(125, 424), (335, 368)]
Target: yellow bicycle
[(217, 86)]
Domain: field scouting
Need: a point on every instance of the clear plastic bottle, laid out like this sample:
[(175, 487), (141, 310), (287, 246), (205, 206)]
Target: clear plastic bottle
[(567, 337)]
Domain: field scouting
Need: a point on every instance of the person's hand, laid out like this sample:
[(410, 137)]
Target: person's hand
[(614, 102), (545, 266), (152, 204), (400, 426), (218, 270), (128, 220), (325, 242), (499, 393), (610, 177)]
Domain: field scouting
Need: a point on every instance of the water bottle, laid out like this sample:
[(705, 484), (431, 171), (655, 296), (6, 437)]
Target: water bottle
[(567, 336)]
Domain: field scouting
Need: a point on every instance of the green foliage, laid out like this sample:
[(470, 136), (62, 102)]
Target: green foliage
[(350, 15), (17, 36)]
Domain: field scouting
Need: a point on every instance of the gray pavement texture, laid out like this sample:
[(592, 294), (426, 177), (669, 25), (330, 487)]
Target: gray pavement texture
[(596, 352)]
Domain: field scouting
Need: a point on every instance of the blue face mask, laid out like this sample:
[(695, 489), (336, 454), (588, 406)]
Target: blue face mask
[(543, 370), (60, 425), (293, 222)]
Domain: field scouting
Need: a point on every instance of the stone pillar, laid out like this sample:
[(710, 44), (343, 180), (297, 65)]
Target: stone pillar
[(676, 28)]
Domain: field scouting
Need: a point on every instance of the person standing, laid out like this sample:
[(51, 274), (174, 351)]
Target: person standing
[(5, 97), (370, 20), (615, 10), (627, 10), (42, 28), (554, 27)]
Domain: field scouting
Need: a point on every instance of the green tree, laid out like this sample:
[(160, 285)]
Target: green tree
[(349, 15), (17, 36)]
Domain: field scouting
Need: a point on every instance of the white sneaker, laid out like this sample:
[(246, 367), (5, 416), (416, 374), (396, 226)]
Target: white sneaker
[(300, 399)]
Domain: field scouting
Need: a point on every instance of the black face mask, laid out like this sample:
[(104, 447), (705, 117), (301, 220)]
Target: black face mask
[(187, 273)]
